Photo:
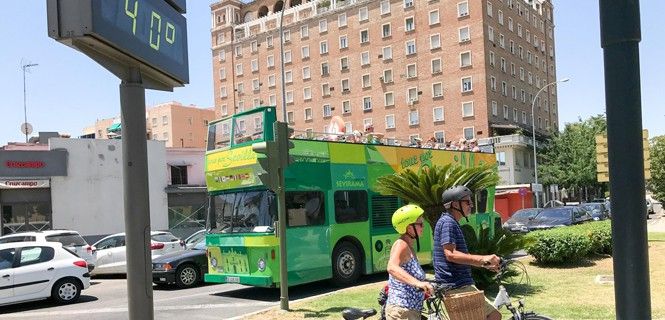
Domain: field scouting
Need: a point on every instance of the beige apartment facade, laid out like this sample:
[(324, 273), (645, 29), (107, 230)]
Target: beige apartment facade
[(178, 125), (411, 68)]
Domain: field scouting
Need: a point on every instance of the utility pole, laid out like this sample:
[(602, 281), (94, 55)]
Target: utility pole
[(620, 36)]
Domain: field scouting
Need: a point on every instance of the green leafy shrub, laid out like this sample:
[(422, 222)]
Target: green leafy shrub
[(503, 243), (570, 244)]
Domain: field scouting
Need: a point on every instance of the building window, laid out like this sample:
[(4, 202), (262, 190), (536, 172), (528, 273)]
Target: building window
[(464, 34), (469, 133), (323, 26), (272, 100), (505, 112), (364, 58), (436, 66), (495, 108), (467, 84), (344, 63), (493, 83), (239, 69), (271, 80), (367, 82), (465, 59), (412, 95), (287, 56), (325, 90), (490, 33), (289, 97), (389, 99), (254, 46), (387, 53), (390, 121), (463, 9), (387, 76), (437, 114), (385, 30), (238, 51), (304, 52), (307, 93), (467, 109), (500, 17), (363, 14), (327, 111), (515, 115), (437, 90), (343, 42), (411, 71), (287, 36), (435, 41), (345, 85), (364, 36), (367, 103), (325, 69), (433, 17), (254, 64), (385, 7), (308, 114), (288, 76), (346, 107), (323, 47), (501, 158), (440, 136), (341, 20), (306, 74), (414, 118), (409, 24), (489, 9), (410, 47), (222, 55), (504, 88), (179, 175), (270, 61), (290, 117), (523, 117), (255, 84), (492, 59)]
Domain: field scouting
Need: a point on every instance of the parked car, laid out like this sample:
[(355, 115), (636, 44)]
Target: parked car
[(39, 270), (70, 239), (195, 238), (112, 256), (597, 210), (185, 269), (650, 209), (520, 219), (559, 217)]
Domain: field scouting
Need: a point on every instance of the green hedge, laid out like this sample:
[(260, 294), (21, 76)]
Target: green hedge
[(570, 244)]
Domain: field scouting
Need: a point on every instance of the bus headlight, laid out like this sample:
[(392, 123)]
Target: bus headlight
[(213, 262), (261, 265)]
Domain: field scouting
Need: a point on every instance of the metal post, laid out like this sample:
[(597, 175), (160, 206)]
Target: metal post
[(620, 36), (137, 204), (25, 108), (533, 125), (281, 201)]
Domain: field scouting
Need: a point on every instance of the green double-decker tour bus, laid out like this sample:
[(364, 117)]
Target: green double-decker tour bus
[(339, 227)]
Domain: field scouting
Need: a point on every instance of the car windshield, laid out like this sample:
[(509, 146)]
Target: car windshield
[(558, 213), (67, 239), (250, 211), (164, 237), (200, 246), (525, 213), (591, 206)]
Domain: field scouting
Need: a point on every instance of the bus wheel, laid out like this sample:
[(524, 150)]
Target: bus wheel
[(346, 264)]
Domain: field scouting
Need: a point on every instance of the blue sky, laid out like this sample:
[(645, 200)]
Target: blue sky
[(68, 91)]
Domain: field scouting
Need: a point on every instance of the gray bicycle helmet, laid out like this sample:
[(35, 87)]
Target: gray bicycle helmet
[(455, 193)]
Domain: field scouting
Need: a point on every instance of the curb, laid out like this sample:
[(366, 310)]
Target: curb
[(304, 300)]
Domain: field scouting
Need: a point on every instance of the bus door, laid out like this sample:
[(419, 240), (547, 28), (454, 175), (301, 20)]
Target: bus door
[(307, 237)]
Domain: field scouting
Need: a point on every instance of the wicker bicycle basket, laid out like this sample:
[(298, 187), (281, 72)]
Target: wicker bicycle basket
[(465, 306)]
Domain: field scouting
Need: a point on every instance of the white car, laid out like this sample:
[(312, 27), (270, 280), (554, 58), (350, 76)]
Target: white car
[(195, 238), (70, 239), (39, 270), (112, 255)]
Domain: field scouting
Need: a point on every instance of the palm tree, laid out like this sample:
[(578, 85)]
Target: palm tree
[(425, 187)]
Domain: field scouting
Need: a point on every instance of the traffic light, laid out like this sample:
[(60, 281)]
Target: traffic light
[(275, 156), (602, 166)]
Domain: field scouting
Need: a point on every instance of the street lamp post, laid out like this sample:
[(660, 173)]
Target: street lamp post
[(25, 108), (533, 124)]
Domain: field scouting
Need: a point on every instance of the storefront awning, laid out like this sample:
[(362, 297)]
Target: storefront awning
[(115, 127)]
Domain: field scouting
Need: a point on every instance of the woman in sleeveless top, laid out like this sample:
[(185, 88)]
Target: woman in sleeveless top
[(406, 285)]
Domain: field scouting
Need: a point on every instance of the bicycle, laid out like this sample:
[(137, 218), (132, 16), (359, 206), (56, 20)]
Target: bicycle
[(435, 311)]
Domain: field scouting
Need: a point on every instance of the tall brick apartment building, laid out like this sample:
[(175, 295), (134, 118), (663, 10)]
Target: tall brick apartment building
[(412, 68)]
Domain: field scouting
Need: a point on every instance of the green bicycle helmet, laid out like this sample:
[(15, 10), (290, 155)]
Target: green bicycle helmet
[(405, 216)]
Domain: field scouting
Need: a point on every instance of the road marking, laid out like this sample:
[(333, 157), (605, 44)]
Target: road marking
[(124, 309)]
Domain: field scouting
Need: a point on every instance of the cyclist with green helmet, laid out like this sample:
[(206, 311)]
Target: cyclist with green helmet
[(406, 285), (451, 258)]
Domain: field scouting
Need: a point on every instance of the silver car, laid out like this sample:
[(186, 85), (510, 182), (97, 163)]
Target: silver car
[(70, 239)]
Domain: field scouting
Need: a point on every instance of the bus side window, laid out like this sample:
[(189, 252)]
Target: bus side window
[(350, 206), (305, 208)]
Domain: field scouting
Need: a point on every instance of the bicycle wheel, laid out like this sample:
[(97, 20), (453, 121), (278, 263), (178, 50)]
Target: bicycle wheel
[(533, 316)]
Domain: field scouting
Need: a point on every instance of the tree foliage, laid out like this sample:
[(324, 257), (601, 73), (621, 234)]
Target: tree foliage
[(569, 158), (425, 187), (657, 182)]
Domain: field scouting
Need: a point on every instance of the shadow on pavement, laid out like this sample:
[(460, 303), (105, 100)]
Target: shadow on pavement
[(41, 304), (296, 292)]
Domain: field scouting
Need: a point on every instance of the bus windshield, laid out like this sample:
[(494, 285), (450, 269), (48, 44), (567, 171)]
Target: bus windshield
[(219, 135), (243, 212)]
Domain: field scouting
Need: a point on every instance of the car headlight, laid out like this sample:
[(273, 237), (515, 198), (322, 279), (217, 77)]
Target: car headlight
[(161, 266), (261, 265)]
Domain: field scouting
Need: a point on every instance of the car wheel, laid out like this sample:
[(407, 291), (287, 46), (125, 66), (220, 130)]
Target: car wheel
[(187, 276), (346, 264), (66, 291)]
